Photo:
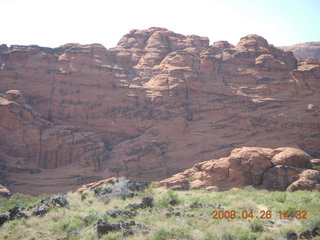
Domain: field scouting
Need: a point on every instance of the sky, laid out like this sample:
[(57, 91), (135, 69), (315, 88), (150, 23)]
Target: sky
[(52, 23)]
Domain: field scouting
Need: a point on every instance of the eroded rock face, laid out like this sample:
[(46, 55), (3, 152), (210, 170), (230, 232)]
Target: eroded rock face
[(305, 50), (157, 103), (31, 143), (272, 169)]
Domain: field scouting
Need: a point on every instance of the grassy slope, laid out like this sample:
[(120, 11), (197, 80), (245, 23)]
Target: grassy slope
[(82, 215)]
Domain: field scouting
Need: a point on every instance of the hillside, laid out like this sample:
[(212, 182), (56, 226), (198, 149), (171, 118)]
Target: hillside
[(122, 209)]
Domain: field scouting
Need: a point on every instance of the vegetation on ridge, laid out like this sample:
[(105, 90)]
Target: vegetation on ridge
[(174, 215)]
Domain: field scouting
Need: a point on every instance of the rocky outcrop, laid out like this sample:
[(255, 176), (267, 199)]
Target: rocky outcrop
[(273, 169), (305, 50), (156, 104), (4, 192)]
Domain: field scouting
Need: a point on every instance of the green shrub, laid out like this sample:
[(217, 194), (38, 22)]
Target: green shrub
[(256, 226), (113, 236), (162, 234), (280, 196), (170, 197), (91, 218), (20, 200), (90, 236), (2, 94), (315, 167), (67, 224), (191, 179), (152, 184), (243, 234)]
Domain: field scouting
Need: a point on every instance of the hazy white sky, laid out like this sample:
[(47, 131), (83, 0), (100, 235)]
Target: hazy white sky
[(55, 22)]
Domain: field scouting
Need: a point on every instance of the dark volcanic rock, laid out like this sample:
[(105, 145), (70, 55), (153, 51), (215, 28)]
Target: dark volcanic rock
[(315, 231), (15, 213), (291, 236), (135, 185), (40, 211), (3, 218), (60, 201), (305, 235), (116, 213), (148, 201), (104, 227)]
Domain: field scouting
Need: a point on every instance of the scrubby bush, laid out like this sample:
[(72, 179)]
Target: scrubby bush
[(256, 226), (20, 200), (170, 197)]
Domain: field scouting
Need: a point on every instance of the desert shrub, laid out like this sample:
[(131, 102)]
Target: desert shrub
[(208, 237), (172, 233), (2, 94), (20, 200), (113, 236), (91, 218), (256, 226), (290, 209), (247, 205), (280, 197), (245, 234), (152, 184), (170, 197), (90, 236), (67, 224), (191, 179), (162, 234)]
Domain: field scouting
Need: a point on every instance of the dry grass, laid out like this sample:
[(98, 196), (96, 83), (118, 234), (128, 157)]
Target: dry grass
[(196, 223)]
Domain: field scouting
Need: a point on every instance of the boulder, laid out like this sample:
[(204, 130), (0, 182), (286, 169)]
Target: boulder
[(105, 227), (116, 213), (3, 218), (308, 180), (147, 201), (40, 211), (291, 157), (60, 201), (15, 213), (250, 166)]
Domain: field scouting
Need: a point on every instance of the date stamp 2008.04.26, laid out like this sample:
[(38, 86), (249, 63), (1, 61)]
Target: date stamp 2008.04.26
[(232, 214)]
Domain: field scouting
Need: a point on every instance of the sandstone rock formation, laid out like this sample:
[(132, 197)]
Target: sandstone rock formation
[(31, 143), (154, 105), (274, 169), (305, 50)]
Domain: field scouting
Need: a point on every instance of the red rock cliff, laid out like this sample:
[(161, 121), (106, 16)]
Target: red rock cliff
[(159, 102)]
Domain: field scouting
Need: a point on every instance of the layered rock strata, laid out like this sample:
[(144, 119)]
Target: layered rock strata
[(154, 105)]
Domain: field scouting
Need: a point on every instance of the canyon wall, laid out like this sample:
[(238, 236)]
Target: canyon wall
[(305, 50), (154, 105)]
